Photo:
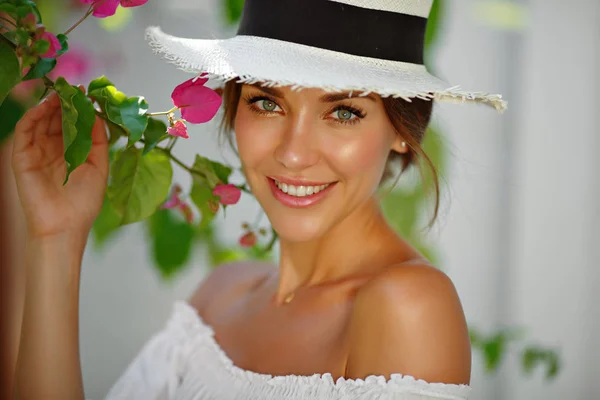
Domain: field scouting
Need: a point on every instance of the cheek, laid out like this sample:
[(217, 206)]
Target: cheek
[(254, 138), (364, 156)]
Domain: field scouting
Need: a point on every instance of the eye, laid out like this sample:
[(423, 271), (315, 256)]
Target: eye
[(344, 114), (347, 115), (264, 104)]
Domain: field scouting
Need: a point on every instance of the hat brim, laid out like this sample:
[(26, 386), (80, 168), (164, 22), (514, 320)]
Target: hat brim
[(274, 63)]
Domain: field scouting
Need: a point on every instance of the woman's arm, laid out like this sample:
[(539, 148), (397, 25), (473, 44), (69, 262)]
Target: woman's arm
[(58, 218), (48, 365)]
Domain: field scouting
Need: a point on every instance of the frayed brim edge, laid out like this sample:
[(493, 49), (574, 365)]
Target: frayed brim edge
[(453, 94)]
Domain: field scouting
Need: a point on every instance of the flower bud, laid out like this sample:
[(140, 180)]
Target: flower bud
[(248, 239)]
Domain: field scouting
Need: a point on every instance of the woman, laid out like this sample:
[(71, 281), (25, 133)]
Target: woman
[(353, 311)]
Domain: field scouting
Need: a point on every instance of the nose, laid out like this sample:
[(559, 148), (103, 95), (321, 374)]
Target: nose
[(297, 150)]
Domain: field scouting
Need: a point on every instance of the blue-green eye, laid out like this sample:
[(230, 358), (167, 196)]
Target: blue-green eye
[(267, 105), (343, 114)]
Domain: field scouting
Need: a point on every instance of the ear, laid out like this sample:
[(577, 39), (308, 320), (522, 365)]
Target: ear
[(399, 145), (219, 91)]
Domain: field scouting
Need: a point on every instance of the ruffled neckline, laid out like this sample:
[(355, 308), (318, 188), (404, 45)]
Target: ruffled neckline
[(186, 318)]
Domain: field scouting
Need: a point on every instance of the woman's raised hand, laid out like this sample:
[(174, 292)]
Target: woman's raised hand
[(40, 169)]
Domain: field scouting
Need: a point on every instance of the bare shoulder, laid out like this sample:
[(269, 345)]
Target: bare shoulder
[(228, 281), (408, 319)]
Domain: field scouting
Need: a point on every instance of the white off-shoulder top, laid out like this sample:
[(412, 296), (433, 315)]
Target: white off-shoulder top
[(184, 362)]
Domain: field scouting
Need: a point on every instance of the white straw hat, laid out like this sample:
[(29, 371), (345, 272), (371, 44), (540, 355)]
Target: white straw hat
[(336, 45)]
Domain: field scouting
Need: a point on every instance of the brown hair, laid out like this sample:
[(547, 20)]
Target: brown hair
[(410, 119)]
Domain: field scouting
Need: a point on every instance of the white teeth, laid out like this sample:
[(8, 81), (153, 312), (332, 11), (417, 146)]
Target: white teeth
[(300, 191)]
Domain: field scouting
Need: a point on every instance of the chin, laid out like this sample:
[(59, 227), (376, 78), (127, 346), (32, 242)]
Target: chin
[(297, 228)]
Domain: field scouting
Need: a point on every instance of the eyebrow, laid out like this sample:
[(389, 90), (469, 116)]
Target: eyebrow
[(326, 98)]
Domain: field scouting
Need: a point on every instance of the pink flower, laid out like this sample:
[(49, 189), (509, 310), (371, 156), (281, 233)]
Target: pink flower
[(178, 129), (228, 194), (174, 200), (55, 45), (106, 8), (198, 103), (74, 65), (29, 21), (248, 240)]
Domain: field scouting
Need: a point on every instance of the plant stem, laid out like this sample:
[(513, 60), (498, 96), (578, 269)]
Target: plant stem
[(162, 112), (271, 243), (172, 144), (87, 14), (178, 161)]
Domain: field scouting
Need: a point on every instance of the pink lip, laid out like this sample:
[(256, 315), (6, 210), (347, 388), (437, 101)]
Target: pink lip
[(298, 202)]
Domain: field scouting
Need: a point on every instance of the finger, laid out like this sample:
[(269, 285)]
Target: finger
[(24, 130), (55, 124), (99, 134)]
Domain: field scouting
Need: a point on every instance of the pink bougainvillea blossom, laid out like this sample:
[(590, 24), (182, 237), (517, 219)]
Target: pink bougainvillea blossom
[(228, 194), (248, 239), (106, 8), (174, 200), (178, 129), (29, 21), (55, 45), (198, 103), (74, 65)]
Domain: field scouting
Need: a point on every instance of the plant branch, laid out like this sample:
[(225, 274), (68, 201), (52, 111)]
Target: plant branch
[(87, 14), (271, 243), (162, 112)]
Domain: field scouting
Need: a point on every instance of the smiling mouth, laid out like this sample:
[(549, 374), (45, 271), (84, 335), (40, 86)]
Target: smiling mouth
[(299, 191)]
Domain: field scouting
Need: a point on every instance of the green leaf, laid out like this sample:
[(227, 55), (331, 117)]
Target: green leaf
[(211, 173), (22, 37), (22, 11), (200, 195), (139, 185), (11, 112), (64, 44), (115, 132), (8, 8), (154, 133), (172, 240), (220, 255), (128, 112), (35, 10), (233, 10), (106, 224), (98, 84), (41, 68), (78, 117), (41, 46), (493, 351), (9, 69), (131, 114), (401, 208)]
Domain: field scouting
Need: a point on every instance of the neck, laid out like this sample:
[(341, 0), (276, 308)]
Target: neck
[(355, 246)]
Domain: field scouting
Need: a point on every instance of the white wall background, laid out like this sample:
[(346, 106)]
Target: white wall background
[(520, 233)]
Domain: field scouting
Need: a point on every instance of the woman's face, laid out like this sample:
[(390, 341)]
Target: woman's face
[(312, 158)]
